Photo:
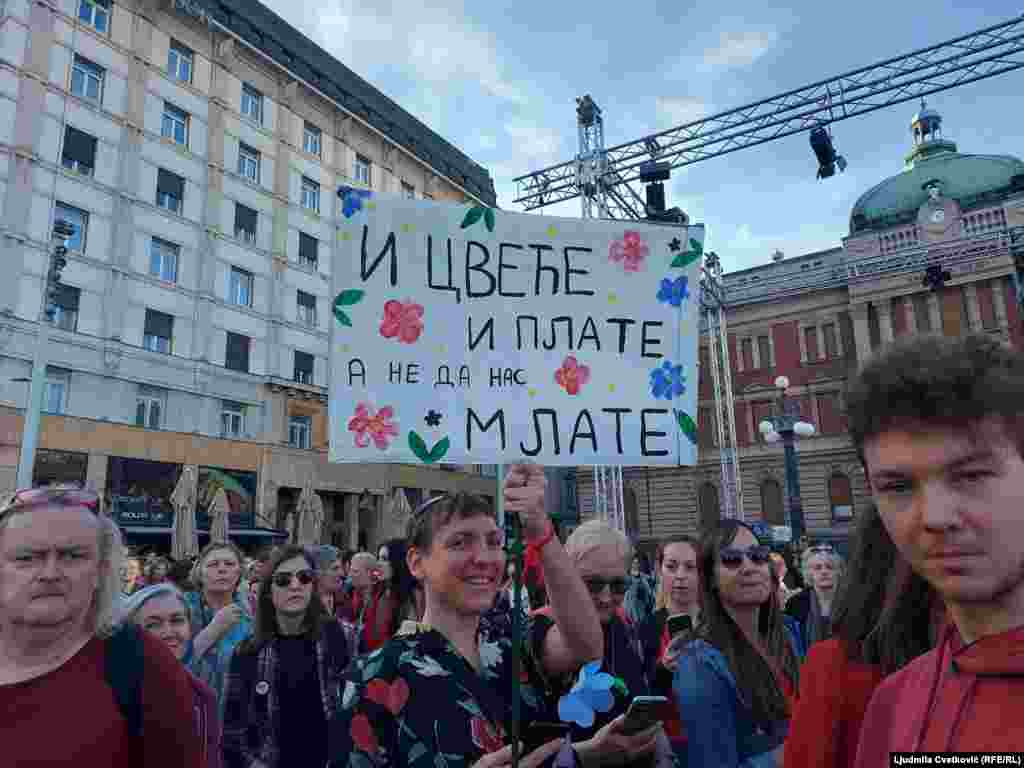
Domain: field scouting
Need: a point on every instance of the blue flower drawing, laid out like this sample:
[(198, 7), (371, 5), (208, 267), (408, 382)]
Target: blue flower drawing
[(668, 381), (592, 693), (352, 200), (674, 292)]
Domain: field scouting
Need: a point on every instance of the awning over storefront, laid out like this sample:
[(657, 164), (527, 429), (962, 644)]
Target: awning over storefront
[(152, 531)]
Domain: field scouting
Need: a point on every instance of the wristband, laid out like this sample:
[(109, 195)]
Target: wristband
[(538, 544)]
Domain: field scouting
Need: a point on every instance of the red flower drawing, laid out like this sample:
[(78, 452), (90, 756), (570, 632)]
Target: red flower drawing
[(403, 320), (572, 376), (393, 696), (487, 737), (631, 250), (377, 426), (363, 736)]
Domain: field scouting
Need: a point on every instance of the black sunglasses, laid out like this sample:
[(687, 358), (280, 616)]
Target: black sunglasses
[(284, 578), (732, 557), (596, 585)]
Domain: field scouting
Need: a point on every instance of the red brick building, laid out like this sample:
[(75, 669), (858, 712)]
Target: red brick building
[(814, 317)]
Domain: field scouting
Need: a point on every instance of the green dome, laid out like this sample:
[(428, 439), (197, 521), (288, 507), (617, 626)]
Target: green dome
[(962, 177)]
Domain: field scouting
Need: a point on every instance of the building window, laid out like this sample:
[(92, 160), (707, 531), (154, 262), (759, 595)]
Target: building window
[(236, 355), (95, 13), (307, 308), (708, 507), (252, 103), (163, 260), (311, 139), (248, 163), (922, 315), (232, 419), (179, 62), (772, 511), (310, 195), (245, 223), (87, 79), (174, 125), (299, 428), (828, 333), (362, 170), (303, 367), (764, 350), (158, 335), (840, 494), (408, 191), (308, 247), (78, 219), (240, 287), (149, 407), (830, 414), (747, 354), (65, 306), (79, 153), (811, 342), (170, 191), (55, 396), (59, 468)]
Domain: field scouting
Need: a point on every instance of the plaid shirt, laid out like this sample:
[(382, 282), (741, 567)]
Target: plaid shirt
[(251, 705)]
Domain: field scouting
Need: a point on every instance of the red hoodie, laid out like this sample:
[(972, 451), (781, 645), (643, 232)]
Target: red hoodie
[(955, 698)]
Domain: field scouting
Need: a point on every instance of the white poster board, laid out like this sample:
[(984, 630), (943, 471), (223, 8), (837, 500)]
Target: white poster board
[(469, 335)]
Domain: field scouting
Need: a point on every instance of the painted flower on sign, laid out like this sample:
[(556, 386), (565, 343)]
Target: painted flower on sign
[(487, 737), (367, 425), (674, 292), (668, 381), (572, 376), (352, 200), (631, 251), (402, 320), (363, 735)]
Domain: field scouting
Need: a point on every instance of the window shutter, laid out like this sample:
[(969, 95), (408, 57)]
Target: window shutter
[(170, 184)]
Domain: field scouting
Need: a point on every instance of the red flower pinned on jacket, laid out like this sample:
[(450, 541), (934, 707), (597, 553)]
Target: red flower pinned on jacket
[(572, 376), (392, 697), (363, 736), (402, 320), (487, 737)]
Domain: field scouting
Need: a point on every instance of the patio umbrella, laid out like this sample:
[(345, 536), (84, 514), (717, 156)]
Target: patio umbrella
[(401, 511), (184, 537), (309, 515), (219, 510)]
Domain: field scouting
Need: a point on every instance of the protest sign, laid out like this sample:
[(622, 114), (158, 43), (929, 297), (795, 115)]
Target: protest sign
[(469, 335)]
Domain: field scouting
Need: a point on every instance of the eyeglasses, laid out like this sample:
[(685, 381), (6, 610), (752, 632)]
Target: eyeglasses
[(732, 557), (27, 498), (284, 578), (821, 548), (596, 585)]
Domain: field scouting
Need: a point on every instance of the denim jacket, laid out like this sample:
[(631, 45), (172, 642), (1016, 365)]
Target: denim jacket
[(720, 729)]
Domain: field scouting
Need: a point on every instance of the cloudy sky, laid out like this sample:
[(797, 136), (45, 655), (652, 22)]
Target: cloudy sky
[(499, 79)]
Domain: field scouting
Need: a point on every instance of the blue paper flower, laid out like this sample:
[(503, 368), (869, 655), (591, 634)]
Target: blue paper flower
[(668, 381), (592, 693), (674, 292), (352, 200)]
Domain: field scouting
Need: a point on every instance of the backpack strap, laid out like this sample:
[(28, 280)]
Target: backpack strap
[(125, 662)]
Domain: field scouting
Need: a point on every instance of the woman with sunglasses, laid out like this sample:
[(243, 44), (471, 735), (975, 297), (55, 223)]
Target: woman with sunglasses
[(734, 682), (283, 685), (443, 691), (821, 567)]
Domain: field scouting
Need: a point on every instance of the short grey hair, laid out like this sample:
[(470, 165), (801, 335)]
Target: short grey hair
[(369, 557), (828, 554), (131, 606), (597, 533)]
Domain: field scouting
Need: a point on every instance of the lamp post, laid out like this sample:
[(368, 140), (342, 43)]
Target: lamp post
[(62, 231), (785, 425)]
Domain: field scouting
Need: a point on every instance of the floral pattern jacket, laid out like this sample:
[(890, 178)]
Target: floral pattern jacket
[(457, 714)]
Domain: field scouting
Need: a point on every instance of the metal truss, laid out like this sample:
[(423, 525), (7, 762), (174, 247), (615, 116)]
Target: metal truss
[(967, 59)]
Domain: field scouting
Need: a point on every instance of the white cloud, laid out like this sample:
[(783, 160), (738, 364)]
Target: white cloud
[(738, 49), (671, 112)]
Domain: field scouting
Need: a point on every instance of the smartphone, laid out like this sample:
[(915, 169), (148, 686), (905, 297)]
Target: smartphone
[(681, 622), (536, 735), (645, 711)]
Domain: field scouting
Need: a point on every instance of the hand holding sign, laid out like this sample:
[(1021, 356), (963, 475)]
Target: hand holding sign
[(525, 495)]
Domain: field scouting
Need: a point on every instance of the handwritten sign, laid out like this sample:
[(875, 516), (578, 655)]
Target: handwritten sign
[(469, 335)]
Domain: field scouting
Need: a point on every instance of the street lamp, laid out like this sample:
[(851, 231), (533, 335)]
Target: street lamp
[(785, 425)]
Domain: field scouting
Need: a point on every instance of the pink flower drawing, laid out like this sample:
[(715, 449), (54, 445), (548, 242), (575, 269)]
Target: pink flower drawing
[(402, 320), (631, 250), (367, 425), (572, 376)]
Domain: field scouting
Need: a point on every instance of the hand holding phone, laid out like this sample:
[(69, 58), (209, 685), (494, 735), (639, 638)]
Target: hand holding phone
[(536, 735), (645, 711), (681, 622)]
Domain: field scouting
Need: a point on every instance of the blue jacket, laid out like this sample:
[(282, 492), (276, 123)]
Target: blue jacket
[(720, 729)]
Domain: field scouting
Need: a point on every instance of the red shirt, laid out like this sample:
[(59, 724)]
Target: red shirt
[(69, 717), (826, 721)]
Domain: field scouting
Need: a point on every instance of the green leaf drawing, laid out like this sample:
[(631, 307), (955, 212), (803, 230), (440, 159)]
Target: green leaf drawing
[(343, 318), (688, 257), (489, 219), (472, 216), (687, 426), (428, 455), (349, 297), (620, 686), (439, 450)]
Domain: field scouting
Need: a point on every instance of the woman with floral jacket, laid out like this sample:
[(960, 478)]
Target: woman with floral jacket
[(441, 693)]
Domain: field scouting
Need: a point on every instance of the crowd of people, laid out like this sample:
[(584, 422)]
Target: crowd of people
[(413, 655)]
